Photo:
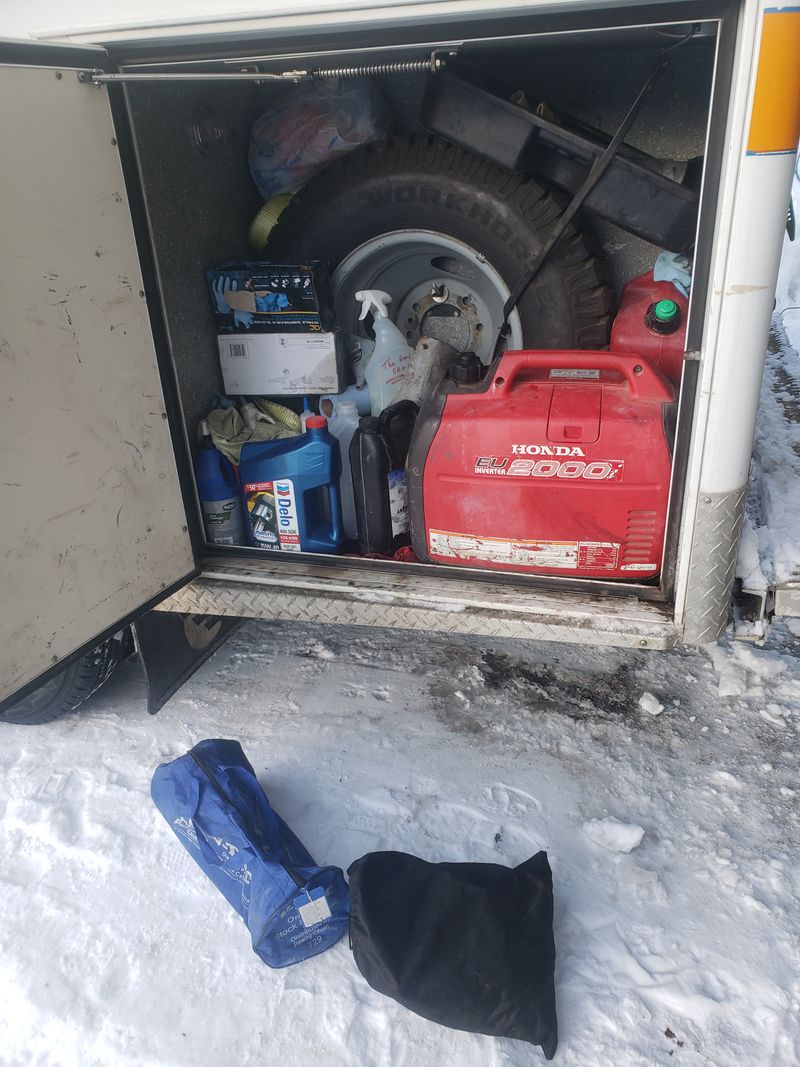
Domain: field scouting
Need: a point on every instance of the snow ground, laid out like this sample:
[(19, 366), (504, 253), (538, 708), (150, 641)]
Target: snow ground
[(115, 950)]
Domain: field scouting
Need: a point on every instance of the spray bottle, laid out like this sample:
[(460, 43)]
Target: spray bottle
[(392, 356)]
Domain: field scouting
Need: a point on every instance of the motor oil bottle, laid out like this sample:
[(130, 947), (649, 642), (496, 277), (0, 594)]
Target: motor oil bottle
[(397, 425), (392, 356), (342, 424), (377, 460), (220, 497), (291, 491)]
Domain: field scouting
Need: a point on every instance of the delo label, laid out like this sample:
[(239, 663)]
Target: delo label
[(272, 511), (288, 530)]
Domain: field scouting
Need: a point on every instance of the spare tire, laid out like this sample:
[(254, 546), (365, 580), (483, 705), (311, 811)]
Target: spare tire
[(447, 234)]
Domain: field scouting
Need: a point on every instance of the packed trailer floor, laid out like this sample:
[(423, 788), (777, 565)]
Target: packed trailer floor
[(116, 950)]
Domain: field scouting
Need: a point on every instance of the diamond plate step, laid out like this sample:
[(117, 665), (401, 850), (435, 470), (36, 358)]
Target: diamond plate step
[(352, 596)]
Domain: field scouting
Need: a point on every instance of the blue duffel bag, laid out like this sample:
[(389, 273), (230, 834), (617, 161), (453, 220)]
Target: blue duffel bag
[(212, 800)]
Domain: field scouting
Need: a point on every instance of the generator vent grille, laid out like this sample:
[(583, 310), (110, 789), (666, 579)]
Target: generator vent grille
[(640, 537)]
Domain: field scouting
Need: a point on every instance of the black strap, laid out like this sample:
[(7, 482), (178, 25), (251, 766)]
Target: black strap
[(598, 169)]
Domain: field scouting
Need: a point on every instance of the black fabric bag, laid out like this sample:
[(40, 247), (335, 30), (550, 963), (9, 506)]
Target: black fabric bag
[(468, 945)]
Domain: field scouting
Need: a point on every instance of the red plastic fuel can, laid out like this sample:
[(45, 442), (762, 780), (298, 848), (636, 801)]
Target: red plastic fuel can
[(556, 462), (651, 322)]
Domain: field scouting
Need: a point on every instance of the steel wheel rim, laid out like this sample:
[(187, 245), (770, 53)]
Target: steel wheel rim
[(408, 264)]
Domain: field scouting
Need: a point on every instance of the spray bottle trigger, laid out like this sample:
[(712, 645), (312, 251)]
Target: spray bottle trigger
[(374, 300)]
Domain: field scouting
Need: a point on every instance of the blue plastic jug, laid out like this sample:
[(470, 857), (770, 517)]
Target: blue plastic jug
[(219, 494), (291, 491)]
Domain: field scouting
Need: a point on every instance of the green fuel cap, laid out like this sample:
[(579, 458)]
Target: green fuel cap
[(663, 316), (665, 310)]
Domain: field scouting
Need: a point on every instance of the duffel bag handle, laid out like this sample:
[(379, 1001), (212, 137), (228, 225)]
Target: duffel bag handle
[(207, 851)]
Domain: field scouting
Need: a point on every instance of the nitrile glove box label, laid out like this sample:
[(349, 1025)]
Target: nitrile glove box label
[(275, 329), (271, 298), (289, 364)]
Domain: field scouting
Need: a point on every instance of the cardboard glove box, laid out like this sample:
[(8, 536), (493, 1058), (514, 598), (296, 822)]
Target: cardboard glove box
[(275, 329)]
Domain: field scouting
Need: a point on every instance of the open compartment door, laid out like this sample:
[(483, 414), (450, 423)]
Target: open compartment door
[(94, 526)]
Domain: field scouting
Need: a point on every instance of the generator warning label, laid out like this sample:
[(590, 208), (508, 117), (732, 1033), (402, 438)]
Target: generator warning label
[(550, 555), (576, 374)]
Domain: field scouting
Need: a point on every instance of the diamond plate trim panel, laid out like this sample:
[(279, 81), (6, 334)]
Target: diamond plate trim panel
[(715, 547), (649, 628)]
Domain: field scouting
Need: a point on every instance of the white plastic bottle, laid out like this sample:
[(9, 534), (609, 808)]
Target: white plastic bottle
[(343, 423), (392, 356)]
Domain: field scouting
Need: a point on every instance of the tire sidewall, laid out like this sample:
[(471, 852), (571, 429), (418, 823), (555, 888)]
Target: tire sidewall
[(445, 203)]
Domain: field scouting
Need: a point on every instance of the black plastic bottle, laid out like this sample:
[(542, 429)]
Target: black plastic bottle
[(379, 488)]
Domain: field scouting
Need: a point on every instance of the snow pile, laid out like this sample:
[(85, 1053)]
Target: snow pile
[(117, 952), (614, 835)]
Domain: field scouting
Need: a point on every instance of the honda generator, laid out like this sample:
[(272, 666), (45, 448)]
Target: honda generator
[(545, 463)]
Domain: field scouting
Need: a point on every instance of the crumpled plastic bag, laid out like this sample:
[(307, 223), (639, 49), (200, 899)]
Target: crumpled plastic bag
[(310, 126), (229, 431)]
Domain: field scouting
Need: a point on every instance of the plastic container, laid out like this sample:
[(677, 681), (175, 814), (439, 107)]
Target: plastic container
[(397, 424), (342, 424), (651, 322), (379, 488), (291, 491), (358, 395), (392, 357), (220, 498)]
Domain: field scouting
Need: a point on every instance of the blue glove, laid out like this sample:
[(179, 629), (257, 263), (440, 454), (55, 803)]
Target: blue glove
[(240, 318), (674, 267), (266, 302), (218, 289)]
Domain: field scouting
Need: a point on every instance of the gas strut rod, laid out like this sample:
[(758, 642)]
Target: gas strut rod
[(431, 65)]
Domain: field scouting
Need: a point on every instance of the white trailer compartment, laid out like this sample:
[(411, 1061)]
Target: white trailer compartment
[(109, 336)]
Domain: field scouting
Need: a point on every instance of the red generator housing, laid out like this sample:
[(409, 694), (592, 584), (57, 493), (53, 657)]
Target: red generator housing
[(555, 463)]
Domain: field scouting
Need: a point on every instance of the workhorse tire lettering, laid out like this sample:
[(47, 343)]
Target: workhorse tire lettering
[(420, 182)]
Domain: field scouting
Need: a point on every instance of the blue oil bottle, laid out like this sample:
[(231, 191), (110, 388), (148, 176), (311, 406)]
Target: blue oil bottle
[(291, 491), (219, 494)]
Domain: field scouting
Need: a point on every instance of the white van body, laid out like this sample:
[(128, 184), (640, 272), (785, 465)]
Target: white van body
[(100, 519)]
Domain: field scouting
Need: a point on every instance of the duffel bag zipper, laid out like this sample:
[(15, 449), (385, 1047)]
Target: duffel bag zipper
[(298, 881)]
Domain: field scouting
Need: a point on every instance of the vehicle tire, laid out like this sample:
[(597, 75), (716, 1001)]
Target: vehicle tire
[(421, 184), (69, 688)]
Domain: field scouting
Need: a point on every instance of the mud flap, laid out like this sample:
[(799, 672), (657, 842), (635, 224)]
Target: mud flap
[(173, 645)]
